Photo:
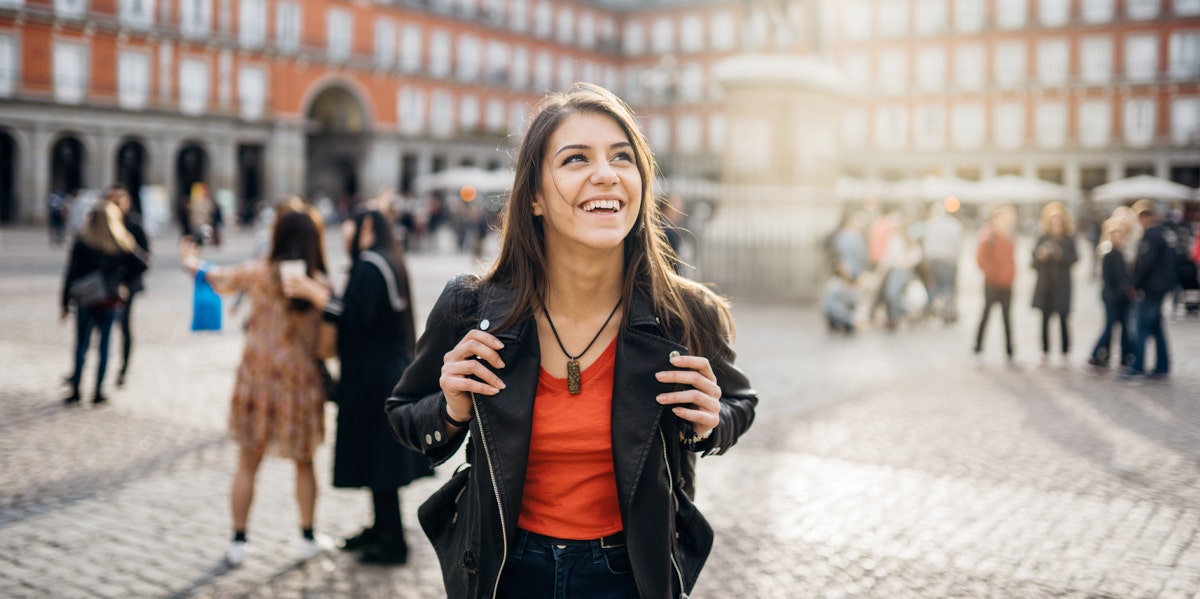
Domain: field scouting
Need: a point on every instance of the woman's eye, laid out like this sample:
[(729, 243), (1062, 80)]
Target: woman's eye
[(574, 158), (626, 156)]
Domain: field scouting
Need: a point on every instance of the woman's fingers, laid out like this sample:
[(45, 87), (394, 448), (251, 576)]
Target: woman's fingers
[(477, 345), (691, 378), (463, 368), (701, 404)]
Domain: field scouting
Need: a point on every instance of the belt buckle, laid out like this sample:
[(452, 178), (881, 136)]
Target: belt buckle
[(605, 545)]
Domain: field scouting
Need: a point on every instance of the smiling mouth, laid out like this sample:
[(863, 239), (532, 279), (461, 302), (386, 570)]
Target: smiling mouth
[(602, 206)]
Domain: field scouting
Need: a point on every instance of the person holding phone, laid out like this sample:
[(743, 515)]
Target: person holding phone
[(585, 371)]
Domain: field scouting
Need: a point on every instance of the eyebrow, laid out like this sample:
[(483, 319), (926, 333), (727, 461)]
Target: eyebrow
[(620, 144)]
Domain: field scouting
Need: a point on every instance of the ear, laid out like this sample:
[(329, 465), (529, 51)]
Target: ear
[(536, 205)]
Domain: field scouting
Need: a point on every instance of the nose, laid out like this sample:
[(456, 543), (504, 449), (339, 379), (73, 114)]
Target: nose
[(604, 174)]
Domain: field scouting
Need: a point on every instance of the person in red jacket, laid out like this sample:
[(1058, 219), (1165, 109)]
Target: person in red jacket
[(995, 259)]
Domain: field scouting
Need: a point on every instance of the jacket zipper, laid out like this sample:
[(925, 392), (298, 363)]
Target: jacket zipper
[(496, 490), (671, 488)]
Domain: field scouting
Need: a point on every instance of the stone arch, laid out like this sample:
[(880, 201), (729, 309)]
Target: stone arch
[(192, 162), (9, 167), (132, 162), (338, 124)]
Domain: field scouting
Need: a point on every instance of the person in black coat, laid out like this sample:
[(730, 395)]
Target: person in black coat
[(104, 245), (133, 223), (1053, 257), (375, 339), (1154, 276), (1117, 293)]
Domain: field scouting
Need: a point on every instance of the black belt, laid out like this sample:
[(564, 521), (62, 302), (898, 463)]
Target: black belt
[(610, 542)]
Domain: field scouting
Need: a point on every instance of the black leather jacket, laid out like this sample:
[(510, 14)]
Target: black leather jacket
[(668, 539)]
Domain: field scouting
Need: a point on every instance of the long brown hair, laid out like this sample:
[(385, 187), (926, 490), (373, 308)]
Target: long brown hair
[(105, 232), (521, 265)]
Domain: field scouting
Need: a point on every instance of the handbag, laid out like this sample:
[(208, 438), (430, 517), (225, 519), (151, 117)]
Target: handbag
[(328, 383), (92, 290), (206, 305)]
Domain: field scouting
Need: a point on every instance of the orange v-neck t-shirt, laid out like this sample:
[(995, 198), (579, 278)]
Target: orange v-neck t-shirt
[(570, 487)]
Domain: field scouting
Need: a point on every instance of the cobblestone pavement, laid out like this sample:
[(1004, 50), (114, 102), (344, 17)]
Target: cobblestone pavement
[(884, 465)]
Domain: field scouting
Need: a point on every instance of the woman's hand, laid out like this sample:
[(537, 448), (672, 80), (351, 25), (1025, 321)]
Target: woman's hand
[(306, 288), (705, 394), (189, 254), (464, 362)]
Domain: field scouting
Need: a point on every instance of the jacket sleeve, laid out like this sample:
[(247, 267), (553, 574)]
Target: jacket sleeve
[(414, 411), (72, 272), (1112, 270), (738, 403), (1070, 254), (1148, 256), (357, 309)]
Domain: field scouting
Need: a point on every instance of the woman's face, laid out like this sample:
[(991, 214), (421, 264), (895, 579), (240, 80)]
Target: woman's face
[(1055, 225), (591, 191), (365, 240)]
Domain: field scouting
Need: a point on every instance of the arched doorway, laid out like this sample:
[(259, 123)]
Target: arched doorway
[(67, 160), (250, 181), (9, 205), (131, 170), (337, 141), (191, 167)]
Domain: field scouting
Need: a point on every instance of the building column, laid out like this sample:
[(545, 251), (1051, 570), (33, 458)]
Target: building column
[(285, 164), (222, 156), (1162, 168), (1116, 169), (380, 163), (39, 174), (106, 147), (1071, 173)]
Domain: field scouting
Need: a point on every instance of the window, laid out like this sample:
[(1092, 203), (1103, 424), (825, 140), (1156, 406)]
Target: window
[(968, 15), (590, 72), (1140, 10), (1008, 63), (516, 117), (1010, 14), (1187, 8), (854, 128), (1053, 56), (1141, 57), (166, 72), (587, 30), (691, 83), (1097, 11), (1095, 59), (856, 19), (1185, 121), (857, 67), (411, 109), (691, 34), (543, 73), (893, 18), (518, 16), (929, 127), (1185, 55), (194, 85), (444, 7), (224, 78), (1095, 123), (498, 63), (439, 54), (658, 133), (410, 48), (663, 38), (133, 79), (724, 32), (635, 38), (608, 34), (385, 44), (1139, 122), (1008, 125), (467, 9), (1054, 13), (468, 58), (441, 117), (252, 22), (520, 68), (931, 16), (339, 25), (139, 13), (1051, 124), (495, 115), (70, 72), (633, 85), (195, 17), (287, 26), (493, 10), (468, 113), (689, 134), (891, 127), (566, 26), (10, 64), (716, 133), (544, 19), (969, 125), (71, 8), (969, 66), (611, 79), (893, 71), (252, 92), (566, 72), (931, 68)]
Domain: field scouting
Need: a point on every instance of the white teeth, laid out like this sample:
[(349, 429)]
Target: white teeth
[(602, 205)]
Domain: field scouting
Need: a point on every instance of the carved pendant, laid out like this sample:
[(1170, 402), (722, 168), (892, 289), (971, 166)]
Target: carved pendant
[(573, 386)]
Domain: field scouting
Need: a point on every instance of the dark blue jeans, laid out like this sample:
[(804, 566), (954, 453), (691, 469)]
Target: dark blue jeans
[(85, 321), (543, 568), (1116, 313), (1147, 313)]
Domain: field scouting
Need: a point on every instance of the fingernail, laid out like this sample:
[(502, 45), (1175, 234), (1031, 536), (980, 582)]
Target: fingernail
[(661, 398), (677, 411), (660, 375), (502, 385)]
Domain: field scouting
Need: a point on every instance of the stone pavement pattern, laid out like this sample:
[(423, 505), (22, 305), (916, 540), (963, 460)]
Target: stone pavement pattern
[(884, 465)]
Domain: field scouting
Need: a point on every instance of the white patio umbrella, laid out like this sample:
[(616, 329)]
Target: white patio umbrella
[(851, 189), (484, 181), (1143, 186), (1018, 190), (928, 188)]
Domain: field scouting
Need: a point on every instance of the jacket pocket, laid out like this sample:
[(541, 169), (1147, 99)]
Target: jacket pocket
[(693, 542), (447, 518)]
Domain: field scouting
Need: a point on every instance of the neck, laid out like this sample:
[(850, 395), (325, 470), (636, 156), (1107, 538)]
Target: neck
[(582, 284)]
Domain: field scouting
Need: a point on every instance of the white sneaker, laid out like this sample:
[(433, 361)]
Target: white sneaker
[(236, 554), (310, 548)]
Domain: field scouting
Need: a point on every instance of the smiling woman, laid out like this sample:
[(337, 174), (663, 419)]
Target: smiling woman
[(585, 370)]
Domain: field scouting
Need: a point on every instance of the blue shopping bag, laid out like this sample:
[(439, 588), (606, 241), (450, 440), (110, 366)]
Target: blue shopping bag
[(206, 305)]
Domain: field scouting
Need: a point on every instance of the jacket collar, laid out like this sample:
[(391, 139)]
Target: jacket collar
[(498, 301)]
